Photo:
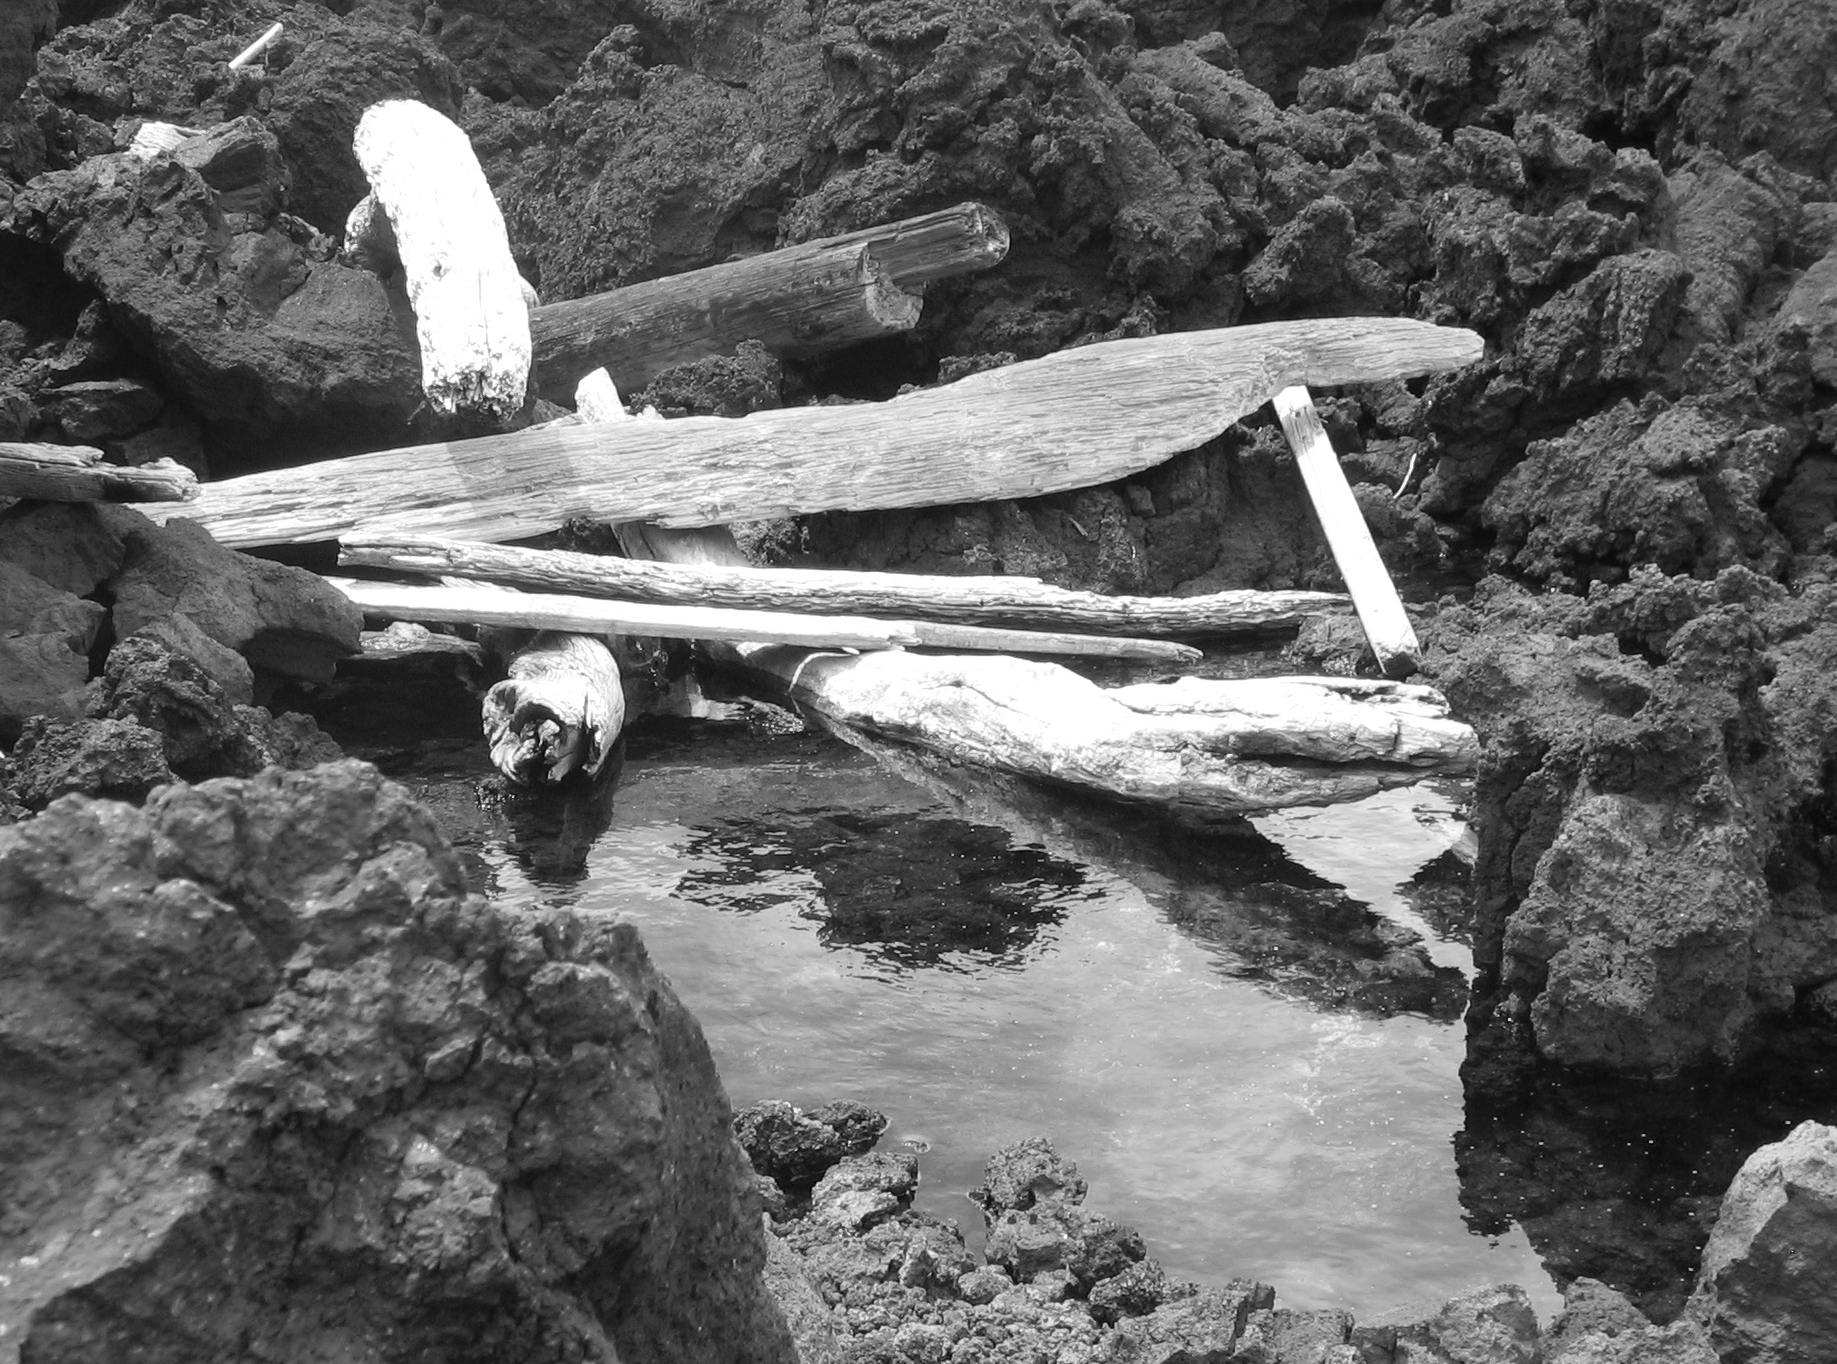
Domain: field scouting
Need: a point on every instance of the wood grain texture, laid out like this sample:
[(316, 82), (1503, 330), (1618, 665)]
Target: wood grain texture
[(952, 241), (1068, 420), (488, 604), (77, 473), (795, 303), (560, 710), (1021, 603), (470, 317), (1374, 595)]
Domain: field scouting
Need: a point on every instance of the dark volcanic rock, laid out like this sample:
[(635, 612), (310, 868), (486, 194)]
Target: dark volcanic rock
[(283, 1088), (796, 1148), (23, 26), (115, 759)]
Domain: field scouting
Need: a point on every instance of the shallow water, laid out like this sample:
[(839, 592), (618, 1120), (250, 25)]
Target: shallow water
[(1153, 1004)]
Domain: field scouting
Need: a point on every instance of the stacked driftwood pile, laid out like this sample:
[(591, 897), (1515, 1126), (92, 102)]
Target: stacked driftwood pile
[(844, 645)]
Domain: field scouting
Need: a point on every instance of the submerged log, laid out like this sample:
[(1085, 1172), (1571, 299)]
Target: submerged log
[(1210, 747), (798, 301), (485, 605), (77, 473), (1072, 419), (1022, 603), (470, 317), (797, 304), (559, 711), (1374, 595)]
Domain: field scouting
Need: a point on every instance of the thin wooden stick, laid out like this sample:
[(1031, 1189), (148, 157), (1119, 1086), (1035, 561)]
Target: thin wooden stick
[(588, 615), (1020, 603), (952, 241), (255, 49), (1069, 420), (1374, 596), (77, 473)]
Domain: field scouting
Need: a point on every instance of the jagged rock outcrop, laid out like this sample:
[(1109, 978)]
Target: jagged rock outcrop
[(276, 1085)]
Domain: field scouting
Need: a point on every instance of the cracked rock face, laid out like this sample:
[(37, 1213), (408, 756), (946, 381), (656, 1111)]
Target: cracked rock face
[(274, 1086)]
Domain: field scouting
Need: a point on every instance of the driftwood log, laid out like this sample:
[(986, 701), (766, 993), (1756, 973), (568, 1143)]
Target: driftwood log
[(470, 316), (559, 711), (1020, 603), (1374, 596), (1068, 420), (77, 473), (796, 303), (489, 605), (1214, 747)]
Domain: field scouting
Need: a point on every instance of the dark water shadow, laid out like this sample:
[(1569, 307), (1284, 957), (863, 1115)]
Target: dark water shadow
[(1264, 917), (1620, 1181)]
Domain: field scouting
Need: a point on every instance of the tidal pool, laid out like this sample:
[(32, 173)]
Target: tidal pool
[(1207, 1021)]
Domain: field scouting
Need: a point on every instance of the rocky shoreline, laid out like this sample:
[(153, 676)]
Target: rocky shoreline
[(1636, 490)]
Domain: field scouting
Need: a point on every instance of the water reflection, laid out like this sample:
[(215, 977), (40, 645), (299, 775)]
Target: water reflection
[(918, 892)]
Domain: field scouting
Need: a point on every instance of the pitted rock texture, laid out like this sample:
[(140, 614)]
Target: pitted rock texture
[(277, 1086)]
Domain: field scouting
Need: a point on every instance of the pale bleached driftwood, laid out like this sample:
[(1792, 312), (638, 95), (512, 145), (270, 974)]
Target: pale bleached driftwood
[(1072, 419), (797, 301), (256, 48), (403, 639), (152, 138), (1374, 595), (487, 605), (1216, 747), (1020, 603), (559, 711), (77, 473), (470, 317)]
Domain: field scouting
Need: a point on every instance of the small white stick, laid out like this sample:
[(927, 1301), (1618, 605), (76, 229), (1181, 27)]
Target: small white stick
[(1374, 596), (255, 49)]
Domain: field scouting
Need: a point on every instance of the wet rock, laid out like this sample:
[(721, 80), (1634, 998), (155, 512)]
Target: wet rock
[(1135, 1292), (117, 759), (795, 1148), (1277, 1335), (1026, 1175), (1054, 1236), (1591, 1308), (1763, 1290), (1205, 1326), (859, 1191), (265, 1057)]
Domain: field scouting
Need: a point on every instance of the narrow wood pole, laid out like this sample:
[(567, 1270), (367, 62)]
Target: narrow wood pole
[(795, 303), (1374, 595), (77, 473), (952, 241), (470, 317), (256, 48), (1016, 602), (489, 605), (1068, 420)]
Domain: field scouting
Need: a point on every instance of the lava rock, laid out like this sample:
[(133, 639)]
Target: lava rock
[(1277, 1335), (1136, 1291), (796, 1148), (1055, 1236), (276, 1051), (40, 675), (859, 1191), (110, 759), (31, 606), (1764, 1287), (1026, 1175), (1206, 1325), (98, 409)]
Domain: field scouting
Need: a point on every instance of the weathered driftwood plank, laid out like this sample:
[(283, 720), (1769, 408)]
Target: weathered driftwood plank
[(1374, 595), (559, 711), (1072, 419), (795, 303), (1219, 747), (470, 317), (77, 473), (1022, 603), (485, 605)]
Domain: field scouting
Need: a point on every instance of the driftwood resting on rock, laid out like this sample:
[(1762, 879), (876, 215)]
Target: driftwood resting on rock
[(1022, 603), (798, 303), (470, 317), (561, 709), (798, 300), (1219, 747), (487, 605), (77, 473), (1068, 420)]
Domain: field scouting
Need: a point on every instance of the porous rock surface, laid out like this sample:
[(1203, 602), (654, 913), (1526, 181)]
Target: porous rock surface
[(276, 1086)]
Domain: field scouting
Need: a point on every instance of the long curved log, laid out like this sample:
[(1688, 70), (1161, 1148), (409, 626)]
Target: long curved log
[(1068, 420)]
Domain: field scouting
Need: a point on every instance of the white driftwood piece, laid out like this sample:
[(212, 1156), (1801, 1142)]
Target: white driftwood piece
[(460, 603), (154, 138), (1072, 419), (470, 316), (256, 48), (561, 709), (79, 473), (1218, 747), (1374, 595)]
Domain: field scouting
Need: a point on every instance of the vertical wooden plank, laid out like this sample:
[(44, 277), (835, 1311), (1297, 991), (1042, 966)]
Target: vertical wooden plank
[(1374, 596)]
